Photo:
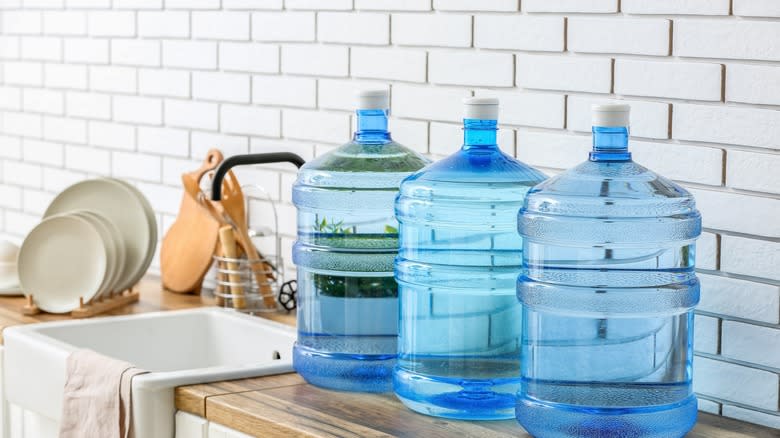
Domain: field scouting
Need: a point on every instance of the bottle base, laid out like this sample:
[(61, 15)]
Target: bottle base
[(460, 399), (550, 420), (344, 372)]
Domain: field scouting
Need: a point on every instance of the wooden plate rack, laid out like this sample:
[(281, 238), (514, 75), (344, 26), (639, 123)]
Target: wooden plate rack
[(97, 306)]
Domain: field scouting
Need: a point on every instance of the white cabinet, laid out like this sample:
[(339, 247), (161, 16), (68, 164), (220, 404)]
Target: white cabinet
[(193, 426)]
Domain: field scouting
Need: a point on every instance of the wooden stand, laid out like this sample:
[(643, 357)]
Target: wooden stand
[(96, 307)]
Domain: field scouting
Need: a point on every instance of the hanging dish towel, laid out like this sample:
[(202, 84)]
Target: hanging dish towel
[(97, 398)]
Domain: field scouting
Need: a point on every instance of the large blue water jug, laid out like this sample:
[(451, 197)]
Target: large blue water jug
[(608, 290), (459, 257), (347, 240)]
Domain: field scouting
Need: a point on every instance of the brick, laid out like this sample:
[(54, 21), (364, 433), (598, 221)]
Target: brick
[(340, 94), (27, 125), (138, 110), (316, 125), (112, 135), (711, 203), (43, 152), (707, 251), (86, 51), (734, 39), (220, 86), (65, 76), (410, 133), (249, 57), (757, 8), (648, 119), (88, 105), (519, 32), (763, 261), (117, 79), (361, 28), (164, 24), (428, 103), (10, 197), (252, 4), (708, 406), (731, 125), (188, 114), (38, 100), (162, 198), (739, 298), (319, 4), (36, 201), (135, 52), (220, 25), (682, 7), (64, 23), (393, 5), (43, 4), (526, 108), (164, 141), (42, 48), (22, 174), (20, 224), (136, 166), (751, 343), (595, 6), (564, 73), (482, 5), (173, 168), (283, 26), (21, 22), (315, 60), (706, 334), (680, 162), (611, 35), (155, 82), (138, 4), (448, 30), (753, 171), (228, 144), (679, 80), (88, 4), (551, 149), (9, 47), (751, 416), (23, 73), (734, 382), (192, 4), (388, 63), (235, 119), (468, 68), (12, 146), (87, 159), (190, 54), (284, 90), (753, 84), (111, 23), (64, 129), (10, 98)]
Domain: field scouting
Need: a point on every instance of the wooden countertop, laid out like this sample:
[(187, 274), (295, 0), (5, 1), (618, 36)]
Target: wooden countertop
[(286, 406)]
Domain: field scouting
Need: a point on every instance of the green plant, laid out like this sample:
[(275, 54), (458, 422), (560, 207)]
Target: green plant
[(331, 227)]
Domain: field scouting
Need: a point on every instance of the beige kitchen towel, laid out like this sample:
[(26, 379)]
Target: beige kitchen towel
[(92, 404)]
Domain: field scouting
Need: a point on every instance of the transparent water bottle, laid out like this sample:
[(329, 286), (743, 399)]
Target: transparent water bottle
[(347, 240), (459, 257), (608, 290)]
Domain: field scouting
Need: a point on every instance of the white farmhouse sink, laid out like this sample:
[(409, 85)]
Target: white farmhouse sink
[(178, 347)]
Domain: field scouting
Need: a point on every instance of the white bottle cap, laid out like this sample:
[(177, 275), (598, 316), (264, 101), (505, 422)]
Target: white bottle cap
[(373, 99), (483, 108), (611, 114)]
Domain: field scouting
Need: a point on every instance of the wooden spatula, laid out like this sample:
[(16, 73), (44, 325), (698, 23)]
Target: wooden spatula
[(187, 248)]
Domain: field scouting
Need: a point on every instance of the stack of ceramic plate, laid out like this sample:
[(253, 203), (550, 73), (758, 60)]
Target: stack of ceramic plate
[(97, 238)]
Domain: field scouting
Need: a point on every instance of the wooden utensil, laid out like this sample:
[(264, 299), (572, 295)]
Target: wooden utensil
[(187, 248), (230, 251), (233, 205)]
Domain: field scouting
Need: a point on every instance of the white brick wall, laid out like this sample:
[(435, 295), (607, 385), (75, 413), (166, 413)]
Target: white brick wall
[(141, 89)]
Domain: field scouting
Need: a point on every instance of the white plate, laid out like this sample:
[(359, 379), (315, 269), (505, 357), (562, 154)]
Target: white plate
[(61, 260), (152, 222), (121, 206), (113, 268)]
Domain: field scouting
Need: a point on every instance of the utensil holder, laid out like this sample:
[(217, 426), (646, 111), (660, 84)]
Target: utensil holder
[(237, 288)]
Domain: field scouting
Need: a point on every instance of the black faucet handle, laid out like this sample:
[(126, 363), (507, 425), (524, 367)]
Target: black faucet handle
[(243, 160)]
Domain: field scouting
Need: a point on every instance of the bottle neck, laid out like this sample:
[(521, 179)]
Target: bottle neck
[(372, 126), (610, 144), (479, 134)]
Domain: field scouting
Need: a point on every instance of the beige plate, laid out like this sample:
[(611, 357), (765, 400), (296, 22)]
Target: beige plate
[(61, 260)]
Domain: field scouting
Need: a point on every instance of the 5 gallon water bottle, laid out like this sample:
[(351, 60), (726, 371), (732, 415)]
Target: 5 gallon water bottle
[(608, 290), (347, 240), (459, 257)]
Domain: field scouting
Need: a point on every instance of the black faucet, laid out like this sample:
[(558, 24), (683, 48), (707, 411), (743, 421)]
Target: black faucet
[(242, 160)]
